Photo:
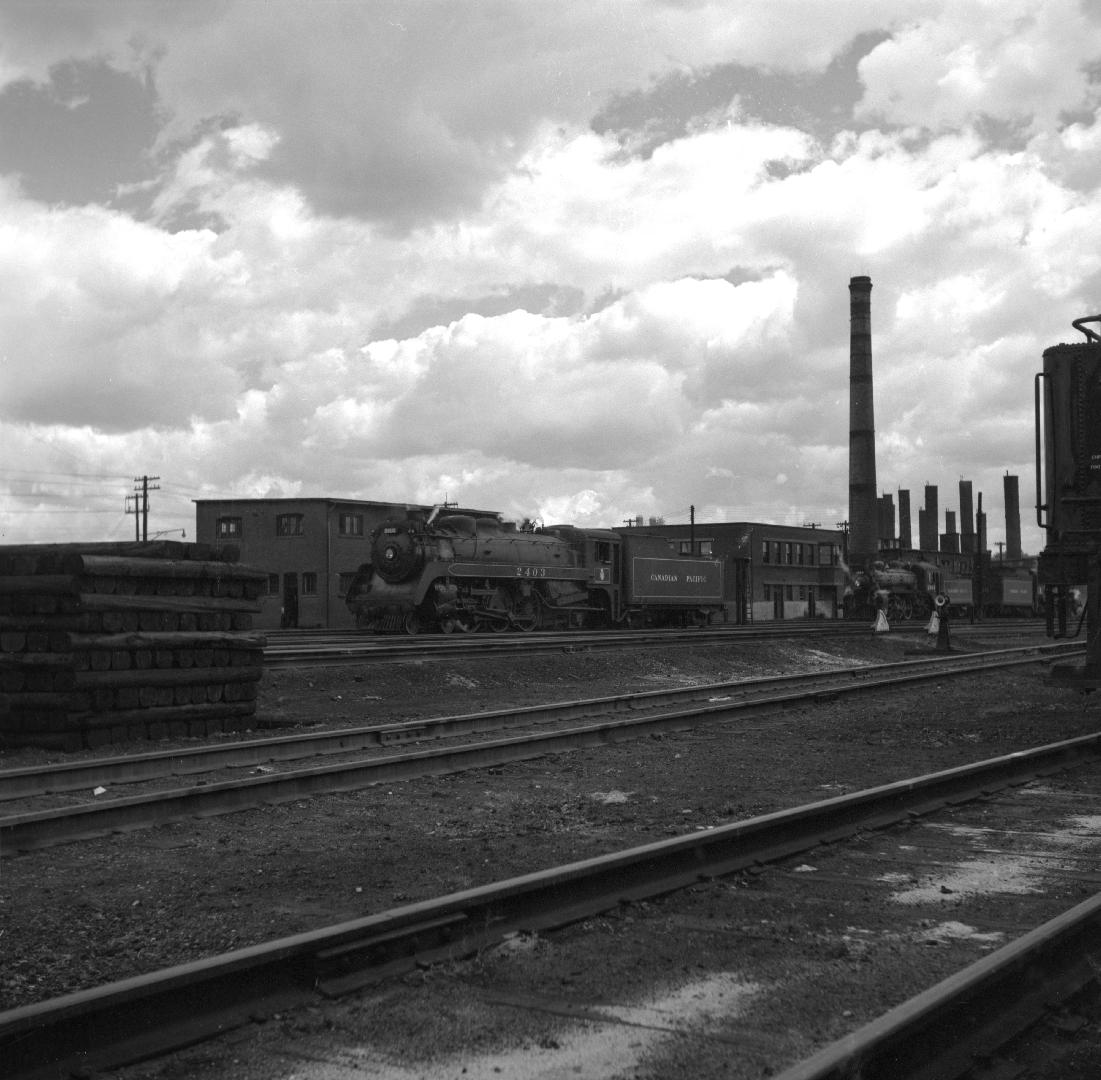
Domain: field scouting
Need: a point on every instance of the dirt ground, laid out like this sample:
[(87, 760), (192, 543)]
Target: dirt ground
[(88, 913)]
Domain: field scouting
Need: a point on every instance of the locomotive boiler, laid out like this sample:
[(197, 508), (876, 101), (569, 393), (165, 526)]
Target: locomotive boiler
[(437, 571), (1068, 491)]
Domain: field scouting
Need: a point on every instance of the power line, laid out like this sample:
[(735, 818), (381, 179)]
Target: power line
[(45, 496), (76, 475)]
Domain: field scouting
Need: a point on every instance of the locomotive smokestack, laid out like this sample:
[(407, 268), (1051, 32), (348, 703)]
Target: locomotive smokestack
[(1012, 518), (863, 490)]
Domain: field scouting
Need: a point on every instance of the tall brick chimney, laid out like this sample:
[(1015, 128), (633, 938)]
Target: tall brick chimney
[(929, 521), (905, 530), (1012, 518), (885, 530), (863, 490), (967, 518)]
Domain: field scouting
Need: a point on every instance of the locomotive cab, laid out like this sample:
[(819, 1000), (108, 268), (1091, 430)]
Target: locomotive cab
[(602, 556)]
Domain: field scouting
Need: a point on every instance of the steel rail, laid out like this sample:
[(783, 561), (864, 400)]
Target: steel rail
[(31, 781), (280, 637), (138, 1017), (29, 831), (323, 649), (939, 1034)]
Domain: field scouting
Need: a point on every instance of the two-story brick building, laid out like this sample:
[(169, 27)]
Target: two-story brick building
[(770, 571)]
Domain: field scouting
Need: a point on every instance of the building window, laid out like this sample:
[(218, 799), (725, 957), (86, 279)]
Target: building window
[(344, 581), (309, 583), (787, 555), (800, 553), (706, 547), (765, 549), (288, 525), (802, 592), (789, 592), (777, 548), (351, 524), (685, 547), (273, 584), (228, 528), (810, 554)]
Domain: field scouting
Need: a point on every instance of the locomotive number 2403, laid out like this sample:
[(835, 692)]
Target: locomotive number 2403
[(531, 571)]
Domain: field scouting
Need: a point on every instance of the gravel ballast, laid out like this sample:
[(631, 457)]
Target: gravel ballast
[(88, 913)]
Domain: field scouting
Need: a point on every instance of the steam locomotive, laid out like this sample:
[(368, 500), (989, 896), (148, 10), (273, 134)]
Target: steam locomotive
[(903, 590), (452, 572), (907, 590)]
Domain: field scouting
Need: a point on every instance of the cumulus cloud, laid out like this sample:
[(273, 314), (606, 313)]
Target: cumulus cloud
[(1021, 63), (384, 255)]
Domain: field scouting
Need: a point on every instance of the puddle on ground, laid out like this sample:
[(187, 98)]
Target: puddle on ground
[(976, 877), (859, 940), (1022, 873), (957, 931), (610, 798), (587, 1050)]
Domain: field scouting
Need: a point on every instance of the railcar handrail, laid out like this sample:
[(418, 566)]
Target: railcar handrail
[(1090, 335), (1040, 505)]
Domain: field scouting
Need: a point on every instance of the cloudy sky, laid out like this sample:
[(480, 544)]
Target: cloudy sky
[(578, 260)]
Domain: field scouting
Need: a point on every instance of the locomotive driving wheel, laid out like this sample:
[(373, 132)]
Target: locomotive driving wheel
[(899, 608), (498, 608), (526, 614)]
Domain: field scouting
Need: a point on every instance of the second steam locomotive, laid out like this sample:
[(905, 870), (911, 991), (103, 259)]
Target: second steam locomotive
[(439, 571), (908, 589)]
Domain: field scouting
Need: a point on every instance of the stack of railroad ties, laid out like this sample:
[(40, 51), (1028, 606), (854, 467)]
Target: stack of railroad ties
[(109, 642)]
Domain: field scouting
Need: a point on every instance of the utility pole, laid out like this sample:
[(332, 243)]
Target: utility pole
[(844, 527), (980, 558), (140, 502), (692, 530)]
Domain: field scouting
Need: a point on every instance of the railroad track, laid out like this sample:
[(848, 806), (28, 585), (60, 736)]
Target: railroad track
[(297, 648), (42, 811), (742, 882)]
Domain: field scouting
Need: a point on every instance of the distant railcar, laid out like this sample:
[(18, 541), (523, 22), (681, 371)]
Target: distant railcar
[(1011, 592), (960, 595)]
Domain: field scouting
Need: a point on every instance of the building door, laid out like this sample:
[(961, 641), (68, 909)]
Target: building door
[(289, 618), (810, 602), (741, 598), (778, 602)]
